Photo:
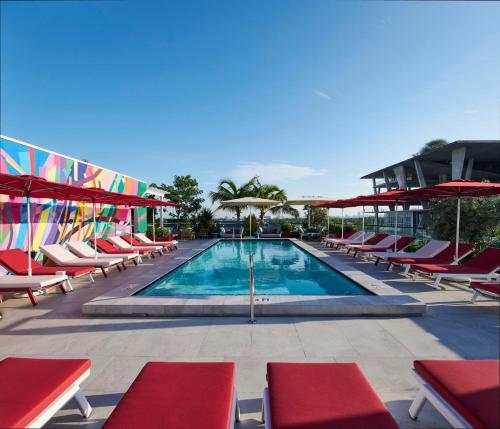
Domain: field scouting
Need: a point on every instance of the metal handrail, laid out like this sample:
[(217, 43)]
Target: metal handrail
[(252, 290)]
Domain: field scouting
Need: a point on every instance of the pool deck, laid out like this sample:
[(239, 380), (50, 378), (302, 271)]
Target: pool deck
[(387, 300), (384, 347)]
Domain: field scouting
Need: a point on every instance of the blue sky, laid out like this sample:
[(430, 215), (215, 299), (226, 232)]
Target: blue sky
[(309, 95)]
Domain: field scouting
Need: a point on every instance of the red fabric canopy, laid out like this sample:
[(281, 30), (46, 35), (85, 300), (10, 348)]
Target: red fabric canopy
[(455, 188)]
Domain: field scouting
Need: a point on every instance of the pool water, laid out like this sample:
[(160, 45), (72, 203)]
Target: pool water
[(280, 268)]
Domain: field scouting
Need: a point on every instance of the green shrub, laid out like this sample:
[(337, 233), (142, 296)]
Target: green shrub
[(159, 232), (287, 226)]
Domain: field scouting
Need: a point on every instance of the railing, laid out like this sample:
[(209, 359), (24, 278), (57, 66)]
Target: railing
[(252, 290)]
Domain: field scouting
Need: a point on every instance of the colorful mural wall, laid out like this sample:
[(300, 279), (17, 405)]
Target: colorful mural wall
[(59, 221)]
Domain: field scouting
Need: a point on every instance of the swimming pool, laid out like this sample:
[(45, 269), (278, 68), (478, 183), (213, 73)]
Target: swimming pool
[(281, 268)]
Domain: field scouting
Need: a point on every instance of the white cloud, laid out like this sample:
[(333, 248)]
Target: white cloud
[(274, 172), (322, 94)]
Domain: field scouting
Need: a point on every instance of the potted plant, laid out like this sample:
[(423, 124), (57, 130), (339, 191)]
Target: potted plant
[(286, 228)]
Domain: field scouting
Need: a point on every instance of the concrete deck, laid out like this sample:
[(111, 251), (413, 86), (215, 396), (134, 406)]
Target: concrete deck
[(384, 347), (386, 301)]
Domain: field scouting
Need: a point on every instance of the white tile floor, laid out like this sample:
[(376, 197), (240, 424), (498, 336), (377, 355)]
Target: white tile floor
[(383, 347)]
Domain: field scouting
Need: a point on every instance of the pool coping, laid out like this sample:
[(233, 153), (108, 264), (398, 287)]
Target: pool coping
[(386, 300)]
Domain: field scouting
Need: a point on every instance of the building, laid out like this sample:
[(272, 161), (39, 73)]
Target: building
[(57, 221), (463, 159)]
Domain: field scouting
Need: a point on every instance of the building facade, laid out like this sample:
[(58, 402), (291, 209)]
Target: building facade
[(59, 221)]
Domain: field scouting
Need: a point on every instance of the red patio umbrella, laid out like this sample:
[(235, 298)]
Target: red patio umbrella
[(458, 189)]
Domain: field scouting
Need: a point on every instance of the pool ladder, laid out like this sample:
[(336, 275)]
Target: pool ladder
[(252, 291)]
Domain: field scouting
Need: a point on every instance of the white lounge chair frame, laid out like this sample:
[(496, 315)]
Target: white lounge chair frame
[(460, 276), (428, 393), (266, 409), (83, 250), (72, 392), (436, 246), (122, 244)]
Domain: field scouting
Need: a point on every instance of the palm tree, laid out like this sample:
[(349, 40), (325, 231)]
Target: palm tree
[(273, 192), (228, 190)]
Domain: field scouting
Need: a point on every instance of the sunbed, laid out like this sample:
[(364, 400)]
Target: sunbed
[(62, 256), (119, 242), (16, 261), (360, 239), (137, 244), (387, 244), (429, 250), (109, 249), (144, 239), (270, 231), (322, 396), (481, 267), (173, 395), (465, 392), (31, 284), (375, 240), (338, 237), (33, 390), (83, 250), (489, 289), (446, 256)]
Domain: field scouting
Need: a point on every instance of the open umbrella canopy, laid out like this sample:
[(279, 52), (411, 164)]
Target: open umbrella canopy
[(250, 201), (455, 188), (309, 201)]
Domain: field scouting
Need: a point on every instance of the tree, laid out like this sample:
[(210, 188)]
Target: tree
[(228, 190), (432, 145), (186, 193), (478, 220), (319, 216), (269, 192)]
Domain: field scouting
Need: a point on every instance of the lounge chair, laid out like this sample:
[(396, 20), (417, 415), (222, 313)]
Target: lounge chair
[(109, 249), (310, 234), (172, 395), (144, 239), (465, 392), (322, 396), (83, 250), (360, 239), (483, 266), (270, 231), (387, 244), (336, 237), (429, 250), (33, 390), (375, 240), (231, 232), (121, 244), (62, 257), (31, 284), (16, 262), (446, 256), (489, 289), (136, 243)]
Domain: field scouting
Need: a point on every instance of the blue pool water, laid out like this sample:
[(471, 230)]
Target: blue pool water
[(281, 268)]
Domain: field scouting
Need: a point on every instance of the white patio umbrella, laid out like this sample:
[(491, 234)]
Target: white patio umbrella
[(311, 201), (250, 202)]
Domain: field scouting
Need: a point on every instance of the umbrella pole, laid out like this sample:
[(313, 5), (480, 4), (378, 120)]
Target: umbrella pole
[(395, 225), (250, 219), (342, 223), (95, 228), (28, 207), (457, 234), (328, 221), (131, 226), (363, 227), (309, 214), (154, 234)]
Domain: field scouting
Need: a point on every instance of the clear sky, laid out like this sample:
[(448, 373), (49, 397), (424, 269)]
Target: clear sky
[(309, 95)]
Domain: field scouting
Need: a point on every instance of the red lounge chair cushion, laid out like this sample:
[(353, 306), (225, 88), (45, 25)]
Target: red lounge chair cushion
[(29, 386), (493, 287), (324, 396), (70, 271), (174, 395), (472, 387), (236, 231), (274, 231), (265, 231), (228, 231)]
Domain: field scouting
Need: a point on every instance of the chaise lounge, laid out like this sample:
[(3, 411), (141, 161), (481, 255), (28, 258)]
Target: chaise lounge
[(121, 244), (387, 244), (16, 261), (231, 232), (270, 231), (137, 244), (488, 289), (173, 395), (144, 239), (465, 392), (33, 390), (83, 250), (322, 396), (483, 266), (32, 284), (429, 250)]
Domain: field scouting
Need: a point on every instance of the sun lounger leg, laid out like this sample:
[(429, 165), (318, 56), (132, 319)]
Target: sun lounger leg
[(436, 283), (104, 272), (31, 296), (390, 266), (266, 411), (69, 286), (63, 289), (377, 260), (118, 267), (407, 269), (124, 266), (474, 297), (83, 404), (236, 405), (91, 278), (417, 404)]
